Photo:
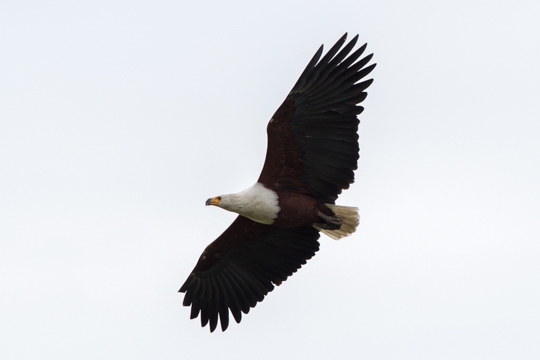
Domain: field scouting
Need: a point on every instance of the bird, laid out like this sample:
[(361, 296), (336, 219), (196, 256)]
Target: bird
[(312, 152)]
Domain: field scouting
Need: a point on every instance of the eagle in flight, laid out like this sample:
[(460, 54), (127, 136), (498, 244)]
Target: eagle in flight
[(311, 155)]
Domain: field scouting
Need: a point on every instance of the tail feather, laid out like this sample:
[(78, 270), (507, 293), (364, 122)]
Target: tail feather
[(350, 217)]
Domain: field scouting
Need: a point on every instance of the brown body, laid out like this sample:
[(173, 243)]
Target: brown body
[(299, 210)]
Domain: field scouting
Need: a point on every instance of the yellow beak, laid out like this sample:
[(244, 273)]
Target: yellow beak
[(213, 201)]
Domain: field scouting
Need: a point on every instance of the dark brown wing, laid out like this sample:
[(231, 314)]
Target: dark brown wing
[(312, 137), (242, 265)]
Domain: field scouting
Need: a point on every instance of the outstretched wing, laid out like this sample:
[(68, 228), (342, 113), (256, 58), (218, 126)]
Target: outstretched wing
[(312, 137), (242, 265)]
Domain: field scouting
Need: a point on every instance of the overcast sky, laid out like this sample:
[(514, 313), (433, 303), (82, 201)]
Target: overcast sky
[(118, 119)]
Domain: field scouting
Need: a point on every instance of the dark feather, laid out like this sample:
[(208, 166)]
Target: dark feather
[(264, 257), (325, 97)]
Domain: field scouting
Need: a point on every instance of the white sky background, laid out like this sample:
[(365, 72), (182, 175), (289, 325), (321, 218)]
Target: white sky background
[(118, 119)]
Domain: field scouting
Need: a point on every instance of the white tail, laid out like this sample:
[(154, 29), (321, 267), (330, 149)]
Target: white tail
[(349, 216)]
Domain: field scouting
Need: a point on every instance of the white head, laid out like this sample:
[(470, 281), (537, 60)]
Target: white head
[(257, 203), (227, 202)]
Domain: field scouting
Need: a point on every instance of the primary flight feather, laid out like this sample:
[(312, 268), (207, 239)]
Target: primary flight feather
[(311, 155)]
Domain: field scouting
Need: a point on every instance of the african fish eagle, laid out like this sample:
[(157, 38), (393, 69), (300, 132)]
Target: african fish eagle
[(312, 152)]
